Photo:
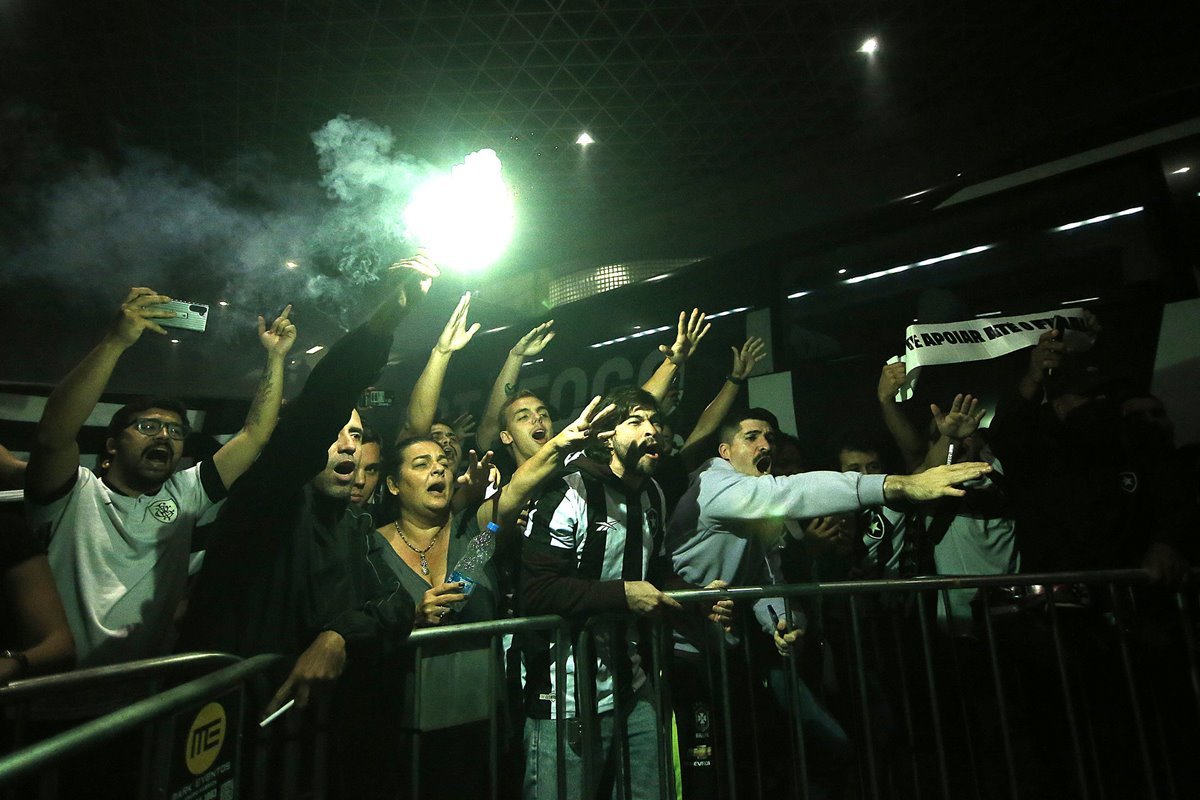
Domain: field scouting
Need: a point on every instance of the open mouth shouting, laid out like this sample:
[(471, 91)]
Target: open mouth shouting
[(159, 455), (438, 488), (763, 463), (345, 470), (540, 435)]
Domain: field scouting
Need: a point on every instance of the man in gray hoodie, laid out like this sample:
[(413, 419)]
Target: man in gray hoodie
[(729, 523)]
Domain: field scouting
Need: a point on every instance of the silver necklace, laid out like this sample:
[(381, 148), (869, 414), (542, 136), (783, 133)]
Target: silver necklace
[(420, 553)]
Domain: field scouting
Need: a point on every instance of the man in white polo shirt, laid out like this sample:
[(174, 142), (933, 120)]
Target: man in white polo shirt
[(119, 545)]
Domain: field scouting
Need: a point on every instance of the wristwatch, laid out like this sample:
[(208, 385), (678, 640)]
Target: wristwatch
[(19, 657)]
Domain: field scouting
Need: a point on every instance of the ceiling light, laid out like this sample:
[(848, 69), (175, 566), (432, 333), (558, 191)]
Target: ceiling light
[(1080, 300), (315, 349), (870, 46), (842, 271), (222, 303), (174, 341), (1181, 170), (990, 314), (798, 295), (531, 363), (916, 194), (1093, 220), (922, 263), (497, 330), (658, 277), (584, 139), (290, 264)]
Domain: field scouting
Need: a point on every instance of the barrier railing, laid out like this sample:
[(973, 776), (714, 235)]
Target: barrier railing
[(1052, 691)]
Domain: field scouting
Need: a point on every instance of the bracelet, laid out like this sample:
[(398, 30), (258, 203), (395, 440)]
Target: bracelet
[(19, 657), (736, 381)]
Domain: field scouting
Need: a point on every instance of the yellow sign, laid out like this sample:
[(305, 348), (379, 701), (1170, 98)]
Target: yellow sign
[(205, 738)]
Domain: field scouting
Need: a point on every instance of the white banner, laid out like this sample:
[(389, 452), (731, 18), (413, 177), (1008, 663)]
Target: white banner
[(981, 339)]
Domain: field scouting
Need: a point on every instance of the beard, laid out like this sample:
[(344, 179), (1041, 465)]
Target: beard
[(635, 461)]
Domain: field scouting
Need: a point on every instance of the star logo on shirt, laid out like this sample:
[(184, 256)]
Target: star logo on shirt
[(164, 511), (1129, 482), (877, 526)]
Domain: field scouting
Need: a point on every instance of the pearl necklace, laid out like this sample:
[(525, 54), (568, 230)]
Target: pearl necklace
[(421, 553)]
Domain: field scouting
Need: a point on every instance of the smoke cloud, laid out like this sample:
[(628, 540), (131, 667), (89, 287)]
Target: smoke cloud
[(100, 225)]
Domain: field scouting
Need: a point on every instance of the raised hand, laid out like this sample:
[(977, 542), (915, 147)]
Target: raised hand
[(137, 314), (1048, 354), (480, 473), (533, 342), (961, 420), (744, 360), (456, 335), (579, 434), (464, 425), (689, 331), (423, 269), (891, 378), (279, 338)]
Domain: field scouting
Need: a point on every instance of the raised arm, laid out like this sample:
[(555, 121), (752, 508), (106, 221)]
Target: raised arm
[(236, 456), (953, 426), (913, 446), (744, 361), (505, 386), (536, 471), (422, 406), (55, 456), (688, 333)]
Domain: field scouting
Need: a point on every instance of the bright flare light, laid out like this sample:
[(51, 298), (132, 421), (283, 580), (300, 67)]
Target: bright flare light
[(463, 220), (1181, 171), (870, 46), (584, 139)]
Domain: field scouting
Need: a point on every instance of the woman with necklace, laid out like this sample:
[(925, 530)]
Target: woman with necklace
[(421, 548)]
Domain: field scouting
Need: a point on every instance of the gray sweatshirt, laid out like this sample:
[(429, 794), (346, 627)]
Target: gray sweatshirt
[(728, 526)]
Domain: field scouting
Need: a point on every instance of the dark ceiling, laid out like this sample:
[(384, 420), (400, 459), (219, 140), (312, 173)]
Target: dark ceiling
[(680, 96), (717, 124)]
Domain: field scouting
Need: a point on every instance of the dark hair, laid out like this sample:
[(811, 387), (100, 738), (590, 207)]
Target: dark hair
[(440, 421), (864, 441), (370, 436), (393, 462), (502, 417), (626, 399), (127, 413), (733, 422)]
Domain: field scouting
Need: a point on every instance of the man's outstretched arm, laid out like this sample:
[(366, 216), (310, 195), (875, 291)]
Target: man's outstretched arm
[(422, 405), (55, 456), (236, 456)]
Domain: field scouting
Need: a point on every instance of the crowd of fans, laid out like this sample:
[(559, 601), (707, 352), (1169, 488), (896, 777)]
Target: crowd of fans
[(327, 545)]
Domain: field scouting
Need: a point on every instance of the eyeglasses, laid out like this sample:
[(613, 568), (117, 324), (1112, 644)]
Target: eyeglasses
[(148, 426)]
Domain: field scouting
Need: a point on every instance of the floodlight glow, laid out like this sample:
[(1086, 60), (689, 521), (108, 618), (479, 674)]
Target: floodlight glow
[(584, 139), (463, 220), (1181, 170), (870, 46), (1093, 220), (315, 349)]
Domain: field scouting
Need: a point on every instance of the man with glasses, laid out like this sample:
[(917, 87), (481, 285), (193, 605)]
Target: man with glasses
[(119, 545)]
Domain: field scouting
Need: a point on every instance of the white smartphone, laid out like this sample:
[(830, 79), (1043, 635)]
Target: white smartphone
[(189, 316)]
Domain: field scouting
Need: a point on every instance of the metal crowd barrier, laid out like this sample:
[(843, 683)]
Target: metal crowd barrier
[(1052, 692)]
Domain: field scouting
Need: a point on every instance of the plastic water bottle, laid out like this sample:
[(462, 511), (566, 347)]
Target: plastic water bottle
[(469, 569)]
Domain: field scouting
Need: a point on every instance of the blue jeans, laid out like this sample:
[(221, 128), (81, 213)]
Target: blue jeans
[(541, 756)]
